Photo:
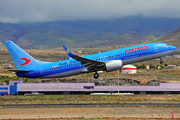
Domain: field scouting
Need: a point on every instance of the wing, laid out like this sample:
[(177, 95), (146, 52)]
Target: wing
[(88, 63)]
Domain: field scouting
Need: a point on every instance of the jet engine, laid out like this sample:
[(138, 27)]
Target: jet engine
[(113, 65)]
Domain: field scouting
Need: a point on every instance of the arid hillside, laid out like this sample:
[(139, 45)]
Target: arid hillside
[(172, 38)]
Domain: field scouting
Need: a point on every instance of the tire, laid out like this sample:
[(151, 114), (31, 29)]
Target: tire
[(96, 75), (161, 62)]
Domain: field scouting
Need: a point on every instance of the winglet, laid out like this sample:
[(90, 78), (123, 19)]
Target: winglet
[(68, 52), (68, 56)]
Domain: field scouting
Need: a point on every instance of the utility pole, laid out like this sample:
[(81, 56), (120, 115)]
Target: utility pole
[(118, 81)]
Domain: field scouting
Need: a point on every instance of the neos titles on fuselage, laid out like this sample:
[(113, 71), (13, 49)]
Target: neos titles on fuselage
[(112, 60)]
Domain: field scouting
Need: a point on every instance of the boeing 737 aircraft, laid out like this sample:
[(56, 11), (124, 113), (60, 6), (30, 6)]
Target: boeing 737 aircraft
[(108, 61)]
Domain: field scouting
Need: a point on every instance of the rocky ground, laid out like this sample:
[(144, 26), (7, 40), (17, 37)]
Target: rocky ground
[(108, 81), (142, 78)]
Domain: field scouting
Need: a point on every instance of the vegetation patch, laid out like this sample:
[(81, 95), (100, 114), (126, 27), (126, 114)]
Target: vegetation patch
[(84, 99)]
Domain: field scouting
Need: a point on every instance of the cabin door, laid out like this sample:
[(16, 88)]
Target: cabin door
[(42, 71), (156, 48)]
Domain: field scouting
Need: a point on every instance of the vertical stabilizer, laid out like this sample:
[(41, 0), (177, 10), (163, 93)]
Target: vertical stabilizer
[(21, 59)]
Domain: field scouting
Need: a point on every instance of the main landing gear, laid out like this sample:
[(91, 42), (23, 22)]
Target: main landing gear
[(96, 75), (161, 62)]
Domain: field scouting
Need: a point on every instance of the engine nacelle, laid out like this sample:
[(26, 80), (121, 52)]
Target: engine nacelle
[(113, 65)]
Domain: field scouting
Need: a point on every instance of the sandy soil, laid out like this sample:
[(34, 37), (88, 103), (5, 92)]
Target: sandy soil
[(89, 112), (10, 75)]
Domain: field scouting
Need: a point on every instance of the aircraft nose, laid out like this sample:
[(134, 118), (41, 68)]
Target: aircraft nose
[(173, 48)]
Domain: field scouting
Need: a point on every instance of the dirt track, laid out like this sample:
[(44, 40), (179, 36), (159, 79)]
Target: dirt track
[(89, 112)]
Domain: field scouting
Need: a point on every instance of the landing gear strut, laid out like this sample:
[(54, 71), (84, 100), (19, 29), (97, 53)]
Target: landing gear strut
[(96, 75)]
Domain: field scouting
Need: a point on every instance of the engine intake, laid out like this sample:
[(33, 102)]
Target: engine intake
[(113, 65)]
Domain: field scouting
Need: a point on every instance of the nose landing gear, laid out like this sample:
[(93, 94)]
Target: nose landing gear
[(161, 62)]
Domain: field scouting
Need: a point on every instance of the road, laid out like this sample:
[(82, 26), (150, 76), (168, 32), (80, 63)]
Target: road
[(90, 111), (93, 105)]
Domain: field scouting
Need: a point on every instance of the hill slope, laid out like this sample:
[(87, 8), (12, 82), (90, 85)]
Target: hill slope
[(172, 38), (87, 33), (148, 38)]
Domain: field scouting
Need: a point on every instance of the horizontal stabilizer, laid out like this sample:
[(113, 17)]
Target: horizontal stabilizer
[(20, 71)]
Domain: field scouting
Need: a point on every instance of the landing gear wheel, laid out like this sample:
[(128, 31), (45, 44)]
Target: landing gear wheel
[(161, 62), (96, 75)]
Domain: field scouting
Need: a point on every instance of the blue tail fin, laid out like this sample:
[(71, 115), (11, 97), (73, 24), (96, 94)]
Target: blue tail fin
[(22, 60)]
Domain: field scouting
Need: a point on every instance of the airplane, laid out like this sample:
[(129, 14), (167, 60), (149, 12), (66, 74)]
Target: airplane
[(108, 61)]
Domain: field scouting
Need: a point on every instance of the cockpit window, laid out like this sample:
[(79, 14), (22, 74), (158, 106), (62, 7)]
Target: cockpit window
[(165, 45)]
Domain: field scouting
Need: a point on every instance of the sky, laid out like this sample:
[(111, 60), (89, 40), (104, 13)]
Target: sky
[(13, 11)]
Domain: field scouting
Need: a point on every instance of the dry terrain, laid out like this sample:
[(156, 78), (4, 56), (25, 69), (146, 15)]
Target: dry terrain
[(142, 78), (90, 113)]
